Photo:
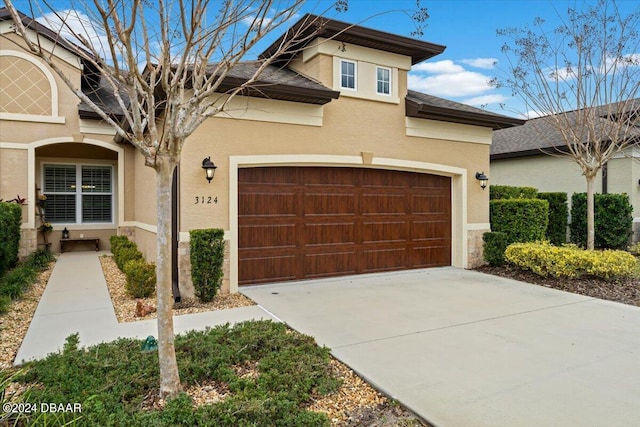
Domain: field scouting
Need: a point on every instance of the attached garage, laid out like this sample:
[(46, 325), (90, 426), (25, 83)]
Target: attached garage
[(298, 223)]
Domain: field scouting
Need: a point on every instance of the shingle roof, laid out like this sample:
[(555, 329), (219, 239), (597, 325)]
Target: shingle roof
[(540, 133), (277, 83), (425, 106)]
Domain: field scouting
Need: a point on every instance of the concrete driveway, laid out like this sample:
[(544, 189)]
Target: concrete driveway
[(461, 348)]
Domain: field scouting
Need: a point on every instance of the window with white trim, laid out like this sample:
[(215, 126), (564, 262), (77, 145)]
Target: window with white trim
[(78, 194), (383, 78), (347, 75)]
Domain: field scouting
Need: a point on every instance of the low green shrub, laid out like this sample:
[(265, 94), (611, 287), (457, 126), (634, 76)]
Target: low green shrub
[(612, 216), (112, 380), (118, 242), (17, 281), (634, 249), (570, 261), (5, 303), (511, 192), (141, 278), (495, 243), (126, 254), (40, 259), (558, 213), (10, 222), (522, 220), (207, 257)]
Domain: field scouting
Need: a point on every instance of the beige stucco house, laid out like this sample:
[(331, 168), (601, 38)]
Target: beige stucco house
[(531, 155), (332, 167)]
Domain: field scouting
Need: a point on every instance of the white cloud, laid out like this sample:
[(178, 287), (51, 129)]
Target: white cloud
[(465, 83), (69, 22), (484, 63), (439, 67), (495, 98)]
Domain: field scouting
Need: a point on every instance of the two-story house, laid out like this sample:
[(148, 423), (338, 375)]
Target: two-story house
[(333, 167)]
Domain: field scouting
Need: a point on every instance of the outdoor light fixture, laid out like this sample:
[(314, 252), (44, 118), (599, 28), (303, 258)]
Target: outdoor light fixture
[(65, 233), (480, 176), (209, 168)]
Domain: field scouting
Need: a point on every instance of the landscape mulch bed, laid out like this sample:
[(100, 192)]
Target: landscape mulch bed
[(626, 291), (14, 324), (356, 403)]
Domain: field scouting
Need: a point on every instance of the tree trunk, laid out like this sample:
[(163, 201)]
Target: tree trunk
[(591, 233), (169, 376)]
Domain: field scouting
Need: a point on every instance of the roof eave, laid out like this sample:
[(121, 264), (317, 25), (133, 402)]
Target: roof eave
[(422, 111), (304, 29)]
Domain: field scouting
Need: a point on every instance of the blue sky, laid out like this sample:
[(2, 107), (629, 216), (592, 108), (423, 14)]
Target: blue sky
[(468, 29)]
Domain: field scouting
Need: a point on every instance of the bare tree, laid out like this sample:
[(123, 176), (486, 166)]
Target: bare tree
[(163, 63), (584, 77)]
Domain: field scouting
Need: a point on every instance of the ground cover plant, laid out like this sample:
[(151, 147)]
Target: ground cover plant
[(15, 282), (267, 374)]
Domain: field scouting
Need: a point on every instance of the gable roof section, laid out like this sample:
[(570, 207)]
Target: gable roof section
[(310, 27), (539, 134), (423, 106)]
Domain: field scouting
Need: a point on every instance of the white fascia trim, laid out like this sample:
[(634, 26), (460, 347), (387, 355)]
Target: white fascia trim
[(458, 176), (146, 227), (52, 84), (479, 226), (96, 127), (32, 118)]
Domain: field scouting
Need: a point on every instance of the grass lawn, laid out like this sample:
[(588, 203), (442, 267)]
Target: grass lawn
[(260, 374)]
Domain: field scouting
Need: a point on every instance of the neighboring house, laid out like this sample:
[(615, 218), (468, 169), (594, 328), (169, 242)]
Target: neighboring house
[(530, 155), (332, 167)]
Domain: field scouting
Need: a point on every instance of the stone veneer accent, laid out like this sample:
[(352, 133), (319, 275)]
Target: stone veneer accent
[(28, 242), (475, 255), (184, 270)]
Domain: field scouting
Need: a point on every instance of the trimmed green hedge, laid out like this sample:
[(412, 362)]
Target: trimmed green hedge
[(522, 220), (207, 258), (141, 278), (510, 192), (613, 220), (558, 213), (495, 243), (10, 221)]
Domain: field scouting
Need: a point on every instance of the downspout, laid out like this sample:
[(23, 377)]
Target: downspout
[(604, 177), (175, 236)]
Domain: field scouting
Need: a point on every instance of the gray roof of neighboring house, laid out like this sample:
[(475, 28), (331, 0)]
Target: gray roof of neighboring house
[(540, 134), (425, 106)]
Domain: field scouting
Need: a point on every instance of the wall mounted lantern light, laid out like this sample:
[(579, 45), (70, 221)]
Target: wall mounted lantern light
[(209, 168), (480, 176)]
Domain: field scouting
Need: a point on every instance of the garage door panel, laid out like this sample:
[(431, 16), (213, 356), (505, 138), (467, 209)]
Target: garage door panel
[(260, 269), (315, 177), (430, 204), (267, 236), (319, 234), (298, 223), (384, 259), (435, 255), (430, 229), (329, 264), (268, 204), (316, 204), (383, 204), (384, 231)]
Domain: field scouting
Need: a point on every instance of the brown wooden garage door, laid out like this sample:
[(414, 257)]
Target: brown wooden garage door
[(308, 222)]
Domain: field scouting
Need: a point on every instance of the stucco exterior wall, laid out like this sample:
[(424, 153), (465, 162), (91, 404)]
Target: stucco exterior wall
[(54, 134)]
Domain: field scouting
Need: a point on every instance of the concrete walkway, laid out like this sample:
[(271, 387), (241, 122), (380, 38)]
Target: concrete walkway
[(76, 299), (461, 348)]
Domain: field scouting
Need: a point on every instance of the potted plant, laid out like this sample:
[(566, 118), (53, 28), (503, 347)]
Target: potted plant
[(46, 227)]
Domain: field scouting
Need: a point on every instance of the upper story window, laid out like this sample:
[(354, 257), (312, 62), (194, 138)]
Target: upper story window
[(78, 194), (347, 75), (383, 78)]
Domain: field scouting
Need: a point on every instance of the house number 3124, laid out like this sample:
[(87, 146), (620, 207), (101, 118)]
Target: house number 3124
[(206, 200)]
